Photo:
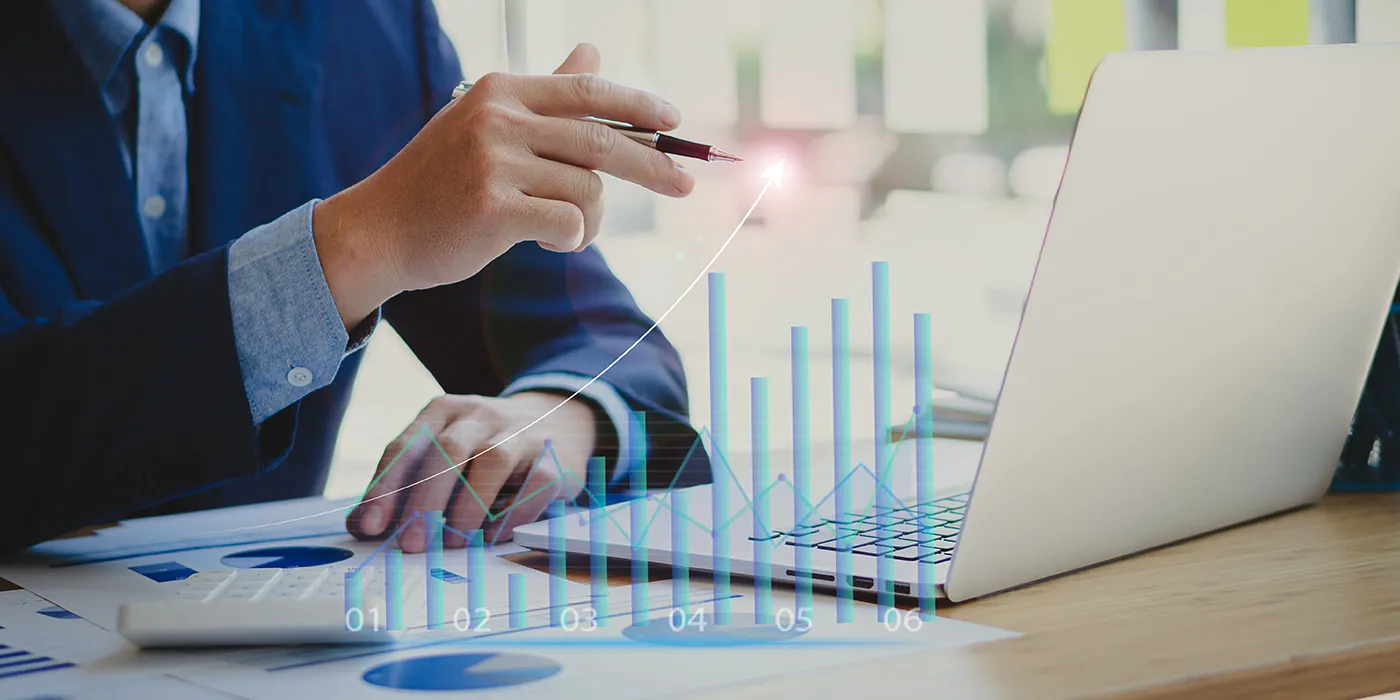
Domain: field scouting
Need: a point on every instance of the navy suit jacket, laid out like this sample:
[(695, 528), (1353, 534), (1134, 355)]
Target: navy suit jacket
[(121, 390)]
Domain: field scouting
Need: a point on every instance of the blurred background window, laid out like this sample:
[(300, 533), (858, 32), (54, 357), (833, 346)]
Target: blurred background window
[(928, 133)]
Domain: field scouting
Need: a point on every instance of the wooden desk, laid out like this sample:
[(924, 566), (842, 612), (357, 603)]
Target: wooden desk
[(1303, 605)]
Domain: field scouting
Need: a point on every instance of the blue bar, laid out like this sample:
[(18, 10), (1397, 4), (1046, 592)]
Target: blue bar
[(923, 453), (436, 619), (762, 547), (393, 588), (558, 572), (598, 537), (841, 434), (354, 601), (802, 462), (680, 552), (719, 442), (476, 573), (516, 591), (637, 510), (880, 317)]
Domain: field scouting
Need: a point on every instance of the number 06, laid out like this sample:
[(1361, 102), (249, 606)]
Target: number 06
[(909, 620)]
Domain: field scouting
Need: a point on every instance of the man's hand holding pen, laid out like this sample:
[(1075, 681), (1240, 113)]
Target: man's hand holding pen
[(505, 163)]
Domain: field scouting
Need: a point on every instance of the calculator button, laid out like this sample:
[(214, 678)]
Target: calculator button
[(283, 595), (257, 574), (250, 589)]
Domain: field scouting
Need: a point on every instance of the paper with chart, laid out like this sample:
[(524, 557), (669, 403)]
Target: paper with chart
[(47, 651), (613, 656), (145, 560), (223, 527)]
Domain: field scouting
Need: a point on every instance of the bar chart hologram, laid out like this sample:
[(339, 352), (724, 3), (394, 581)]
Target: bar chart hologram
[(598, 539), (762, 576), (841, 439), (637, 512), (719, 441), (433, 580), (621, 509), (923, 455), (558, 572), (802, 511)]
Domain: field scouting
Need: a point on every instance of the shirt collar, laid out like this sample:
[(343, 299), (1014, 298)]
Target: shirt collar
[(104, 31), (182, 16)]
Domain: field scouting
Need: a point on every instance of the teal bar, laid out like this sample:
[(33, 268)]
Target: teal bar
[(762, 546), (680, 552), (558, 572), (719, 442), (476, 573), (598, 537), (436, 619), (516, 591), (354, 602), (923, 454), (880, 318), (841, 435), (637, 510), (802, 463), (393, 588)]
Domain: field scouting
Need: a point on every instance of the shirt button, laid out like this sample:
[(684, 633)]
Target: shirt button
[(299, 376), (153, 54), (154, 206)]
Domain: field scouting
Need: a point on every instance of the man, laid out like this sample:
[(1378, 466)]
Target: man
[(207, 207)]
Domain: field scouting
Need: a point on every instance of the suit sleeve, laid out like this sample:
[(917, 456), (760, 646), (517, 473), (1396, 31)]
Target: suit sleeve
[(533, 312), (111, 407)]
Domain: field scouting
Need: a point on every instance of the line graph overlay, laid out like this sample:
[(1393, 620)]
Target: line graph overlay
[(590, 494), (772, 176)]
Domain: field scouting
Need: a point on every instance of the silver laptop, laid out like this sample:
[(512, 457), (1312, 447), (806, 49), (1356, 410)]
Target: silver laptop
[(1216, 274)]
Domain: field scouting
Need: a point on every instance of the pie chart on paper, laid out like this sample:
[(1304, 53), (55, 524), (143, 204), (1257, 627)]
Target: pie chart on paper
[(461, 672), (285, 557)]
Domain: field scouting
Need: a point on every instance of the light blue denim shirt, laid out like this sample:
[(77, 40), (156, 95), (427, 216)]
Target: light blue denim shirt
[(288, 331)]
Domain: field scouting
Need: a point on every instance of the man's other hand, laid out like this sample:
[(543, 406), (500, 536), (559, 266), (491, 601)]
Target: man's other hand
[(465, 428)]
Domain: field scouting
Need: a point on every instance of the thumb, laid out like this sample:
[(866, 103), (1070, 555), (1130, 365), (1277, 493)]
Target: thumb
[(583, 59)]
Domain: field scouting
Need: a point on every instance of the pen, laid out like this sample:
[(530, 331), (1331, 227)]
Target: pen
[(646, 137)]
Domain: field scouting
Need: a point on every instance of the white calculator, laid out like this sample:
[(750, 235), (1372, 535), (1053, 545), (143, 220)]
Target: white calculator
[(260, 606)]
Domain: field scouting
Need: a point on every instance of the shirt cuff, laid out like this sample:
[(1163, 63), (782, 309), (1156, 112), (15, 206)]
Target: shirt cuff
[(600, 393), (286, 326)]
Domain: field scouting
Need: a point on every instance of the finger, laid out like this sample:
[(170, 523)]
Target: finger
[(566, 183), (397, 466), (588, 144), (486, 475), (543, 485), (583, 59), (555, 225), (452, 447), (587, 95)]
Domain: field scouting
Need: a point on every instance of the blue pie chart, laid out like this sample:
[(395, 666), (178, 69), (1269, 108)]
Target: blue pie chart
[(479, 671), (286, 557)]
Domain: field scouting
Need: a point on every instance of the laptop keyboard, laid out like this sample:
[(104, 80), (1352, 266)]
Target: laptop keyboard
[(935, 524)]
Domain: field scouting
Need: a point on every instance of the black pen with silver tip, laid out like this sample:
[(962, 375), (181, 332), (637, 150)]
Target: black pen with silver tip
[(648, 137)]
